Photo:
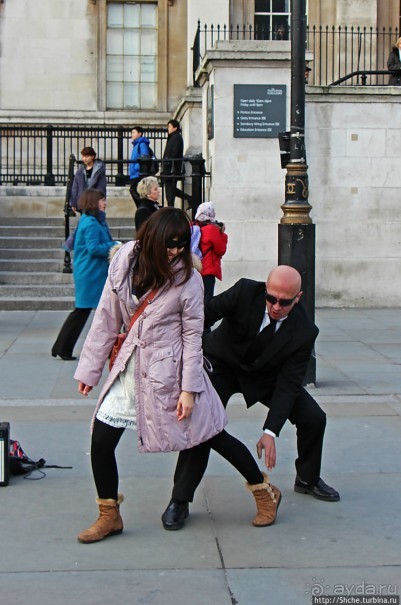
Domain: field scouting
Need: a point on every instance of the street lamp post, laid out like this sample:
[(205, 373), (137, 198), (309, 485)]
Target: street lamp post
[(296, 232)]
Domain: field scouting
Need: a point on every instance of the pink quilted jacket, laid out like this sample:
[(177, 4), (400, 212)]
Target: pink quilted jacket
[(167, 343)]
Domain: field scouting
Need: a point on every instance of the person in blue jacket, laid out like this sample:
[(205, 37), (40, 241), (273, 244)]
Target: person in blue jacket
[(91, 251), (91, 174), (140, 147)]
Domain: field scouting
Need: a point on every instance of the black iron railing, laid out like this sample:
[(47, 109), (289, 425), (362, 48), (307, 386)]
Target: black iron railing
[(361, 77), (38, 155), (193, 173), (337, 50)]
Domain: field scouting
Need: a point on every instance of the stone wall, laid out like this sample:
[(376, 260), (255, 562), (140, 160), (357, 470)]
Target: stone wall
[(49, 55), (353, 147), (53, 63), (48, 202), (353, 150)]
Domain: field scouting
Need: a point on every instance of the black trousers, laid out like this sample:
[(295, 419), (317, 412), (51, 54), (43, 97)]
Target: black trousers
[(307, 416), (105, 439), (70, 332), (209, 282), (171, 191)]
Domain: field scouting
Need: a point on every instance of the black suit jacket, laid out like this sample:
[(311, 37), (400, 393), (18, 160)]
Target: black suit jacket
[(276, 377)]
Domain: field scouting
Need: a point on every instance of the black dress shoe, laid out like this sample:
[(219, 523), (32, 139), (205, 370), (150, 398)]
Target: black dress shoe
[(320, 490), (64, 357), (175, 514)]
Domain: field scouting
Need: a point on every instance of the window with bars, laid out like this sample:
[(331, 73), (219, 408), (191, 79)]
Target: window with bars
[(131, 55), (272, 19)]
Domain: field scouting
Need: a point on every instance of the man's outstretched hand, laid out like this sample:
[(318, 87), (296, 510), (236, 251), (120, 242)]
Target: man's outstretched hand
[(267, 443)]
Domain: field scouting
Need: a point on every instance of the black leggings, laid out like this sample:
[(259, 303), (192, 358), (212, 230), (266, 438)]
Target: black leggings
[(105, 439)]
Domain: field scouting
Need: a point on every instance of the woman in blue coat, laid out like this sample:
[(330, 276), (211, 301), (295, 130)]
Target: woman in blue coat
[(91, 250)]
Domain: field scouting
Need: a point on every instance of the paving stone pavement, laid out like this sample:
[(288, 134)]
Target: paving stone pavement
[(315, 548)]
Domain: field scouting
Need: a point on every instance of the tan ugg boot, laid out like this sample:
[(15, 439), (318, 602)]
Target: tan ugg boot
[(109, 522), (268, 498)]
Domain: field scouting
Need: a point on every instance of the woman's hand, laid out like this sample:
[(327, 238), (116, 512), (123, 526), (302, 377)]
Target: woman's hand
[(185, 405), (84, 389)]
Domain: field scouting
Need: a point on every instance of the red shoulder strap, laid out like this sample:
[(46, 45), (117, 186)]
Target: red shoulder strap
[(141, 309)]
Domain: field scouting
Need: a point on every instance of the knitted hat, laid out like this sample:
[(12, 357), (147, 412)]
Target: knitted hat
[(206, 212)]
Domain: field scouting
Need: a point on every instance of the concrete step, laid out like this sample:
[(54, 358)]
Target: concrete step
[(60, 303), (35, 221), (124, 234), (32, 264), (31, 242), (36, 291), (32, 253), (59, 221), (41, 232), (37, 278), (38, 231)]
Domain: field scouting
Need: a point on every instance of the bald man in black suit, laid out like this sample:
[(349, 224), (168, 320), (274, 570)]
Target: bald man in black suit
[(260, 349)]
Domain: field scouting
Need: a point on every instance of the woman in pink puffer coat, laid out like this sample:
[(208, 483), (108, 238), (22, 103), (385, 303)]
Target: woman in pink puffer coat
[(158, 383)]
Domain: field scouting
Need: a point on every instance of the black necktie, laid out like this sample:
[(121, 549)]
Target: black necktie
[(260, 343)]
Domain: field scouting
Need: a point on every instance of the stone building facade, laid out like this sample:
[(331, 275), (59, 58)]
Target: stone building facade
[(97, 61), (76, 62)]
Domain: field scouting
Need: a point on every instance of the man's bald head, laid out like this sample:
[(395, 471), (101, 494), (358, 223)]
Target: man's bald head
[(283, 284), (285, 276)]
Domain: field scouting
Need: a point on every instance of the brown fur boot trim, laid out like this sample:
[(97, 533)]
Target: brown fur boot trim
[(109, 522), (268, 498)]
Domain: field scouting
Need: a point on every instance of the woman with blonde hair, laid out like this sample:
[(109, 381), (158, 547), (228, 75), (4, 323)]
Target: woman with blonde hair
[(149, 192)]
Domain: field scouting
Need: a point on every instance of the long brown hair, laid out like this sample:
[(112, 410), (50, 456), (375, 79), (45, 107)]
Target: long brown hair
[(153, 268)]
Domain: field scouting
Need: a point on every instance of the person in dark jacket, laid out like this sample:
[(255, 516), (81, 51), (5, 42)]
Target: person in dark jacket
[(172, 164), (149, 193), (261, 349), (394, 63), (91, 174), (91, 251), (140, 148)]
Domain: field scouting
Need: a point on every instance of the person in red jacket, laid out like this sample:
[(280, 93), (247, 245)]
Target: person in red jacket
[(213, 245)]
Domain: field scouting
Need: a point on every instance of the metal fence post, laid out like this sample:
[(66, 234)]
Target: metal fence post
[(120, 178), (49, 176), (198, 180), (67, 212)]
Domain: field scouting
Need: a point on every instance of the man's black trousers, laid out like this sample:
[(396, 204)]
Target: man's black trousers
[(307, 416)]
